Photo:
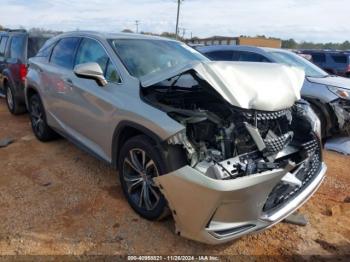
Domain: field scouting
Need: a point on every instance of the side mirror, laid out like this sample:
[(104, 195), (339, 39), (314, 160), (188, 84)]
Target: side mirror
[(91, 71)]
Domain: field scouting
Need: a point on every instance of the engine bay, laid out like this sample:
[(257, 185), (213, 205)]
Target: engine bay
[(224, 141)]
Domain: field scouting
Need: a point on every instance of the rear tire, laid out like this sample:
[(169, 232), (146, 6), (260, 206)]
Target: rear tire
[(38, 120), (13, 104), (139, 161)]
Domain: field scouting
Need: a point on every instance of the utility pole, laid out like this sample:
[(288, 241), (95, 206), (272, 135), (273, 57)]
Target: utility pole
[(137, 25), (177, 18), (183, 32)]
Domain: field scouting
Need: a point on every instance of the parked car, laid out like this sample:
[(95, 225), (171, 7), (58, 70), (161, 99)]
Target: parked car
[(333, 62), (328, 95), (227, 147), (16, 46)]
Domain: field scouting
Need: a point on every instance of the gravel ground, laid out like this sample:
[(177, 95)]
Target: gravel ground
[(56, 200)]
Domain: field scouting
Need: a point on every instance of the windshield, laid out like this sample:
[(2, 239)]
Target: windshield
[(292, 59), (142, 57)]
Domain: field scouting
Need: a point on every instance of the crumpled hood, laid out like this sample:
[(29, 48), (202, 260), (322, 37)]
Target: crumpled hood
[(336, 81), (260, 86)]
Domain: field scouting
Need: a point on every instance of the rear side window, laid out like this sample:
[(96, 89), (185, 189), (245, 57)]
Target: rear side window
[(3, 42), (318, 57), (34, 45), (340, 59), (220, 55), (63, 52), (251, 57), (45, 51), (17, 47)]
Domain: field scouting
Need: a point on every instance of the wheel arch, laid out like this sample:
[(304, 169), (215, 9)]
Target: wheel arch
[(126, 130), (29, 91), (174, 156)]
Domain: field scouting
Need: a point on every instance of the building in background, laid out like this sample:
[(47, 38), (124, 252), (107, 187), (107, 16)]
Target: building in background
[(242, 40)]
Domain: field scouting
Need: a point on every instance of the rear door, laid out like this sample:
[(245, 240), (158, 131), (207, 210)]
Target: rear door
[(55, 76), (87, 105)]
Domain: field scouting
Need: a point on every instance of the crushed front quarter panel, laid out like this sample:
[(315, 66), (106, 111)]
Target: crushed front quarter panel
[(342, 112)]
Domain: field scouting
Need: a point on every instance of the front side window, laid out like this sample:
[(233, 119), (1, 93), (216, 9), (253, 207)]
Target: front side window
[(143, 57), (92, 51), (17, 47), (111, 73), (3, 42), (220, 55), (63, 52)]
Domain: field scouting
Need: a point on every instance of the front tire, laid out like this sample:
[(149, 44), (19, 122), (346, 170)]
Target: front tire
[(139, 162), (13, 105), (38, 120)]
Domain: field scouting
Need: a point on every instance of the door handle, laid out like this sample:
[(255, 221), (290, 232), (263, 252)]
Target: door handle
[(68, 81)]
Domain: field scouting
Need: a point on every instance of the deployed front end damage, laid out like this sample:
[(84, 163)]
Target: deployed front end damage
[(246, 167), (342, 112)]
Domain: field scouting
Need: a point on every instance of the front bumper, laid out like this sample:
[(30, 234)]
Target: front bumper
[(216, 211)]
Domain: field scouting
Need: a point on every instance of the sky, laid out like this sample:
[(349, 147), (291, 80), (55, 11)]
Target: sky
[(303, 20)]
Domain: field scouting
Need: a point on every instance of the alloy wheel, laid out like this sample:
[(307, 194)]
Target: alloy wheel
[(37, 117), (139, 170)]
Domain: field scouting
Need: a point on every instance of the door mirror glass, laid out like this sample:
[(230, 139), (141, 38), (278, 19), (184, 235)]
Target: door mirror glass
[(91, 70)]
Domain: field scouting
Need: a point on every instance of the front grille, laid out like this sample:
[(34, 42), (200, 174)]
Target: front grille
[(266, 115), (283, 192), (277, 143)]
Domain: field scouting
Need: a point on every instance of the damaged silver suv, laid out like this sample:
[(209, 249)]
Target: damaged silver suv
[(227, 147)]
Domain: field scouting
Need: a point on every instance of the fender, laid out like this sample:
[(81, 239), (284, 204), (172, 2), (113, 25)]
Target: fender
[(173, 156)]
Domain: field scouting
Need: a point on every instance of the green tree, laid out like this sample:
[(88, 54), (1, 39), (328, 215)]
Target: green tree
[(290, 43)]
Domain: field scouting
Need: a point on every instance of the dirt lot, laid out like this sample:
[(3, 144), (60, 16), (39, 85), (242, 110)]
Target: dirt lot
[(56, 199)]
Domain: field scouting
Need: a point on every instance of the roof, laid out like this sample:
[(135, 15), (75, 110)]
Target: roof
[(107, 35)]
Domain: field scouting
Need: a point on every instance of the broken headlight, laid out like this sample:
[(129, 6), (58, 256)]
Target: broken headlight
[(341, 92)]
